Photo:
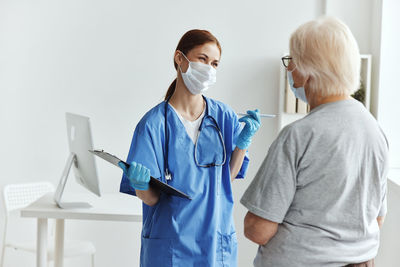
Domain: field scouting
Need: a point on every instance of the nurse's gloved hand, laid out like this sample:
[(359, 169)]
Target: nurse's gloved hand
[(252, 124), (137, 174)]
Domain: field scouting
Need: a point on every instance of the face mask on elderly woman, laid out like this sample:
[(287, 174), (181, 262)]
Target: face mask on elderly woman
[(299, 92)]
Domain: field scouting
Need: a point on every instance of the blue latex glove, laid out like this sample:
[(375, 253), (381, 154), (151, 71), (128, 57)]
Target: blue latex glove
[(252, 124), (137, 174)]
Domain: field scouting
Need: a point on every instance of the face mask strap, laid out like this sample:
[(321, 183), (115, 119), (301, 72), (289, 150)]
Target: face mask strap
[(185, 58), (184, 55), (293, 69)]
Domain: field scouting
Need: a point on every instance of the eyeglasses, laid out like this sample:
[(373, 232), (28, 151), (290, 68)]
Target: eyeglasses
[(286, 60)]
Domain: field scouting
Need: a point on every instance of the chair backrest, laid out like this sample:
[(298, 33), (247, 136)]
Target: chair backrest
[(17, 196)]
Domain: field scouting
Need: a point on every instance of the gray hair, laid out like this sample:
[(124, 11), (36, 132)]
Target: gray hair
[(325, 50)]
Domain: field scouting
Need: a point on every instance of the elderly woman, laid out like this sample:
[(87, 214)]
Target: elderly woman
[(319, 197)]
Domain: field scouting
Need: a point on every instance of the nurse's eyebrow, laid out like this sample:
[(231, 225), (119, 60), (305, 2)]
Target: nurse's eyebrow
[(207, 57), (204, 55)]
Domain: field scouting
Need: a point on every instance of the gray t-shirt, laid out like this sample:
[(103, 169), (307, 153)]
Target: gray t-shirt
[(324, 182)]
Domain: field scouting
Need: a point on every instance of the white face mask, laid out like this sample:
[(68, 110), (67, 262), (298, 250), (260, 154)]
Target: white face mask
[(198, 76), (299, 92)]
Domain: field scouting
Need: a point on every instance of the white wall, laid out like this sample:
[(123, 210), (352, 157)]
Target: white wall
[(112, 61), (389, 93)]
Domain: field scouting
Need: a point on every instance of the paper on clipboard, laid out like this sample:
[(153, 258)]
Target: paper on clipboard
[(153, 181)]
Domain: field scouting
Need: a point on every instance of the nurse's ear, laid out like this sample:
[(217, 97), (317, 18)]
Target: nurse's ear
[(178, 57), (180, 61)]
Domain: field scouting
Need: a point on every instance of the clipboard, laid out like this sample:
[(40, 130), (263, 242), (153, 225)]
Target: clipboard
[(164, 187)]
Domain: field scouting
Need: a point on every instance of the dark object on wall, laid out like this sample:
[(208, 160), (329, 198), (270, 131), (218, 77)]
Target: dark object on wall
[(360, 94)]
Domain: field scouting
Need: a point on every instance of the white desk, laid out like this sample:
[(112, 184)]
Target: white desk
[(109, 207)]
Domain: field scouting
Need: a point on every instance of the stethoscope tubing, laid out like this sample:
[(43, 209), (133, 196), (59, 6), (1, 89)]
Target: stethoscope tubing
[(166, 169)]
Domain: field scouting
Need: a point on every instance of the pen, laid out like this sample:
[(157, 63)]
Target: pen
[(261, 115)]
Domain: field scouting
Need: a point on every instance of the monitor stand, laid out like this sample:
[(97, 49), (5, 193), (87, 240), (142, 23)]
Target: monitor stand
[(61, 185)]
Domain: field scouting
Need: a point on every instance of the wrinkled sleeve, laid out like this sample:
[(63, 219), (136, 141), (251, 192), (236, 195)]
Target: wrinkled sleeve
[(245, 165), (383, 209), (271, 192), (142, 151)]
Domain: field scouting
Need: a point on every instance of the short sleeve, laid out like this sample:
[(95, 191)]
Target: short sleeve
[(245, 165), (383, 209), (143, 151), (384, 177), (271, 192)]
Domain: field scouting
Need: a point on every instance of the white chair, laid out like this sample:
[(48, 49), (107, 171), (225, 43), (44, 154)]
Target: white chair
[(17, 196)]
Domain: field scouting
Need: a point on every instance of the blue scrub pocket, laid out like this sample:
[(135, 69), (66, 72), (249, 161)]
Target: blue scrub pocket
[(156, 252), (227, 250), (210, 149)]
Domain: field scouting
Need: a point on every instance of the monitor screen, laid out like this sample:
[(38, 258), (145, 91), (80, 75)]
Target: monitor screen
[(80, 142)]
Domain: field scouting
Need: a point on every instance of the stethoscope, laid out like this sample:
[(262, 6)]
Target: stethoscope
[(167, 173)]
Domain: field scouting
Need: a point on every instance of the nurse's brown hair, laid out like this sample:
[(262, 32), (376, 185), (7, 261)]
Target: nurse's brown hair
[(190, 40)]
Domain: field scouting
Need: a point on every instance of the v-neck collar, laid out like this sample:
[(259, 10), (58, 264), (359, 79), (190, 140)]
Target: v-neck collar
[(177, 115), (185, 120)]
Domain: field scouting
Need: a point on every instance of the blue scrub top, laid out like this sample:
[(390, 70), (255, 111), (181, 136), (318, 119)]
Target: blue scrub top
[(177, 231)]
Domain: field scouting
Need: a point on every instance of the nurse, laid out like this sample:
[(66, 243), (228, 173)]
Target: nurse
[(197, 145)]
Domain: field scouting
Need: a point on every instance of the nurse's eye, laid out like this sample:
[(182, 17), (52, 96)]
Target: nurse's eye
[(202, 59), (215, 64)]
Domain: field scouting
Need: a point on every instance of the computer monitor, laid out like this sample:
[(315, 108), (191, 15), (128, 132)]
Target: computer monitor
[(80, 159)]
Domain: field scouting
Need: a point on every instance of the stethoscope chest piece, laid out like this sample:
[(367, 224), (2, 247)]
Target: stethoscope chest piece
[(168, 176)]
